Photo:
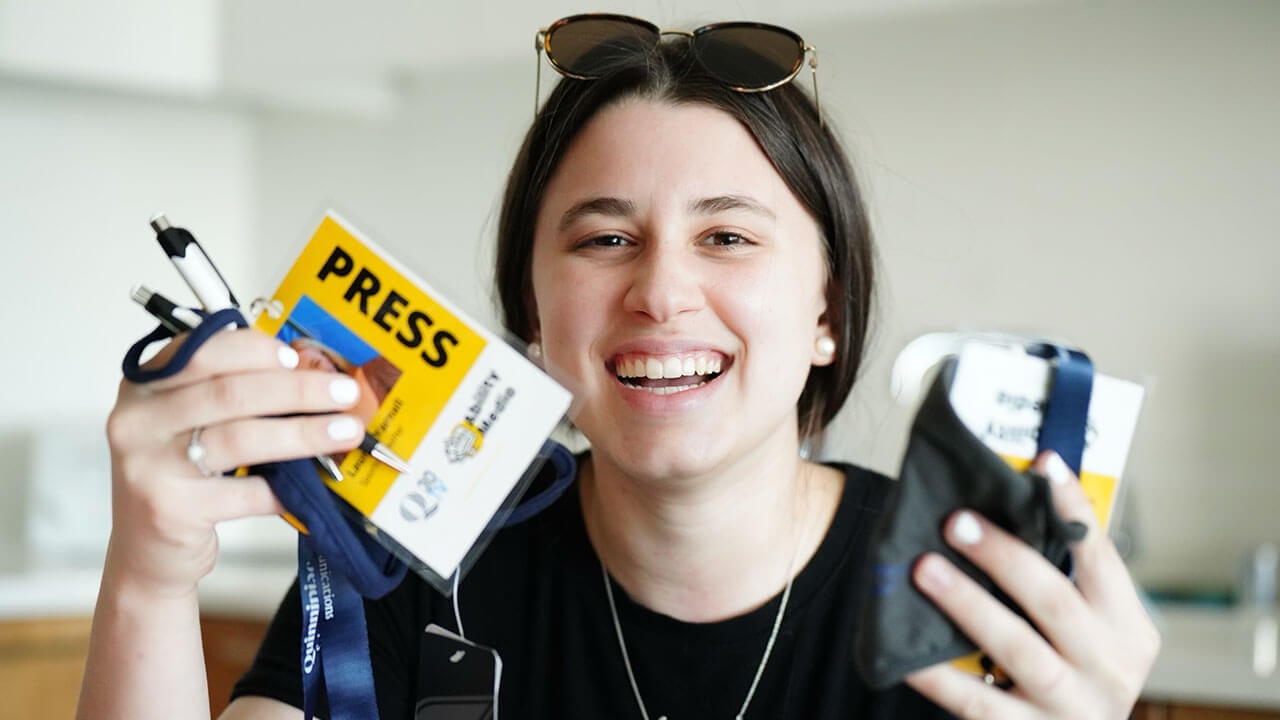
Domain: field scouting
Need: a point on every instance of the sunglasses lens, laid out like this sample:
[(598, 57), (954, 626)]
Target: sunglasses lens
[(587, 46), (748, 56)]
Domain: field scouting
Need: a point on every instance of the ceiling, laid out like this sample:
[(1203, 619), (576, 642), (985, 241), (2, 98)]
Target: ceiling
[(330, 54)]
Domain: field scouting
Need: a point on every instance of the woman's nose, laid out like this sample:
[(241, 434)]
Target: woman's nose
[(665, 283)]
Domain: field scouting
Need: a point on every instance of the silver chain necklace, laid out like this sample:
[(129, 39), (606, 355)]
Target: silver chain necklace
[(768, 647)]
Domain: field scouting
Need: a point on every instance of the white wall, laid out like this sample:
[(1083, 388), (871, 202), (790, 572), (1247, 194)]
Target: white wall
[(1101, 172), (425, 183), (80, 175)]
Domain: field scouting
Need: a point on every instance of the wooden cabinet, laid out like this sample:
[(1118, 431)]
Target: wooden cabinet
[(229, 647), (42, 662)]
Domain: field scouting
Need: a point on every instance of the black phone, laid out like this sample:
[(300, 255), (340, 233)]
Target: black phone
[(458, 679)]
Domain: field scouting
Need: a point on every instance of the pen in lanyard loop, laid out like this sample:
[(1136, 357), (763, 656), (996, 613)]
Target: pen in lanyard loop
[(176, 319), (211, 288)]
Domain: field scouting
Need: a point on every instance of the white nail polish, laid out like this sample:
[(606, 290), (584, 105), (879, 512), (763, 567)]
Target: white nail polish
[(966, 530), (288, 357), (1056, 469), (343, 428), (344, 390)]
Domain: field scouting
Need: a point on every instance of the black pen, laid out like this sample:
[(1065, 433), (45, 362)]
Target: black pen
[(174, 317), (194, 265)]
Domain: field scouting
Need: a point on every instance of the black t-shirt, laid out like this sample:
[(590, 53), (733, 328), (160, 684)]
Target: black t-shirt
[(536, 595)]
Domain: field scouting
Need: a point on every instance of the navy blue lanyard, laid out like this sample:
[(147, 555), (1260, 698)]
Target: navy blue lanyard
[(1064, 426), (335, 640)]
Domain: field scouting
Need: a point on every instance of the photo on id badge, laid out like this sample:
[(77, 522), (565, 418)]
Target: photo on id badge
[(323, 343)]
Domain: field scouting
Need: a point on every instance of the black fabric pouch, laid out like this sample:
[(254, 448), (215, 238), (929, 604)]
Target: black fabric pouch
[(944, 469)]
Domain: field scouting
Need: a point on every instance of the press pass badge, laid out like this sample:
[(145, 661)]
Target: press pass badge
[(466, 410)]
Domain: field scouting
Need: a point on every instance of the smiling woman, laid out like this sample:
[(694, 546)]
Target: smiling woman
[(693, 258), (686, 244)]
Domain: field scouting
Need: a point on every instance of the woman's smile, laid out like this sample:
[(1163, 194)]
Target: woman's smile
[(668, 374)]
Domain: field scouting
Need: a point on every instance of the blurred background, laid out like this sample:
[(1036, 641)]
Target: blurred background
[(1103, 172)]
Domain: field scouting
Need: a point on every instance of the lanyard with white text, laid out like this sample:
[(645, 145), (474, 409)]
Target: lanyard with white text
[(334, 640)]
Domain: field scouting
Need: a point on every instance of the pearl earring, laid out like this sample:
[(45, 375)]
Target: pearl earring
[(826, 346), (535, 351)]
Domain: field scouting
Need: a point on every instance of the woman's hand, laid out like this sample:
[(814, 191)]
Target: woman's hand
[(1098, 643), (164, 509)]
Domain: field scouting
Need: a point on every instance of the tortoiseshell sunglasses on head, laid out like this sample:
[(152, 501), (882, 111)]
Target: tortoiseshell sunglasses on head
[(746, 56)]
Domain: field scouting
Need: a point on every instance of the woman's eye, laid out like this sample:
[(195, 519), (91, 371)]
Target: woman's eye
[(606, 241), (726, 238)]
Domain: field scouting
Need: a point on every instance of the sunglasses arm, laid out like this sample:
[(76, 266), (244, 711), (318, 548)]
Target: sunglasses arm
[(539, 42), (813, 71)]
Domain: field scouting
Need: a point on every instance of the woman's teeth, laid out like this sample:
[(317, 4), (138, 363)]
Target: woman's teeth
[(666, 375), (668, 367), (667, 389)]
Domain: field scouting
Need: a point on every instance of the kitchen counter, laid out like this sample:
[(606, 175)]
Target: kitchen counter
[(1208, 657), (239, 586)]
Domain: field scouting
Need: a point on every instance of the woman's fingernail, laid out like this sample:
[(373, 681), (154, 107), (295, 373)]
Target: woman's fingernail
[(288, 357), (966, 530), (344, 428), (936, 573), (1056, 469), (343, 390)]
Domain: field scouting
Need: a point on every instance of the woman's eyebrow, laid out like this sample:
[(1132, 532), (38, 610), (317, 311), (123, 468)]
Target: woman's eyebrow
[(721, 203), (611, 206)]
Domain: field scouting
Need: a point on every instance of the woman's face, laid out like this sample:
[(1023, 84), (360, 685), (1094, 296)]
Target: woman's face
[(679, 289)]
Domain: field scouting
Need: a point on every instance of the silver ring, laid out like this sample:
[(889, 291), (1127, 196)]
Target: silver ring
[(197, 454)]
